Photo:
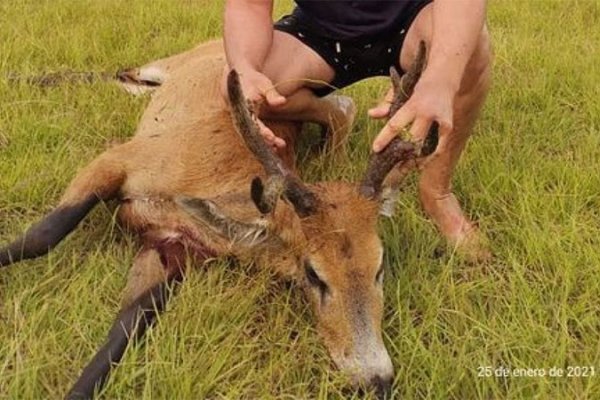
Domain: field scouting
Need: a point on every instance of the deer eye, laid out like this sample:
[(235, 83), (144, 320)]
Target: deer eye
[(314, 280)]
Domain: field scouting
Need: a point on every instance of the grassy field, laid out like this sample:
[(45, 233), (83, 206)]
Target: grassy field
[(530, 176)]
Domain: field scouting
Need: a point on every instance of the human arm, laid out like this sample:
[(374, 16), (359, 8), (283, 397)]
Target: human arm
[(248, 35), (457, 26)]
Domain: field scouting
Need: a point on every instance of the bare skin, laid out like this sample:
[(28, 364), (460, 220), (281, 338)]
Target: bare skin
[(334, 113), (451, 91), (262, 57), (465, 103)]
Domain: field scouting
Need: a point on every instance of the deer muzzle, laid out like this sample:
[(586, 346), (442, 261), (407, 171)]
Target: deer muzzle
[(368, 364)]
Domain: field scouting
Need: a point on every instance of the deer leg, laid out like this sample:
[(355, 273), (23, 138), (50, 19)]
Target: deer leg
[(159, 265), (101, 180), (130, 325)]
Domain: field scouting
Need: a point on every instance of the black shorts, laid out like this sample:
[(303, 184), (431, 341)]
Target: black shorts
[(356, 59)]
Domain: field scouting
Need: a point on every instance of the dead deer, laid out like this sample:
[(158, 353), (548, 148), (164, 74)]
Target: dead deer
[(197, 181)]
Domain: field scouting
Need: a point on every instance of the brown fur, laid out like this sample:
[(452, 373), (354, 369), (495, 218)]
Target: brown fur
[(186, 145)]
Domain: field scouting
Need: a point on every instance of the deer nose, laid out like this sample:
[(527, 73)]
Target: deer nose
[(382, 386)]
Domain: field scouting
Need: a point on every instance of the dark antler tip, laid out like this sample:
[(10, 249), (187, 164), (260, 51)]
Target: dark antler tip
[(396, 81)]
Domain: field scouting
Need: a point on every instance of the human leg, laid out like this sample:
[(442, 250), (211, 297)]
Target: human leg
[(436, 173)]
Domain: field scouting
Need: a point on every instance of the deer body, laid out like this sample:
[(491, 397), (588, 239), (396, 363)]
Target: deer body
[(185, 145), (184, 186)]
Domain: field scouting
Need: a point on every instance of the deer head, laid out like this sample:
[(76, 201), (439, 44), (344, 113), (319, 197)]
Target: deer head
[(327, 232)]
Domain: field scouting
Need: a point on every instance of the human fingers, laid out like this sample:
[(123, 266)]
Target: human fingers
[(382, 110), (270, 137), (273, 97), (419, 128), (395, 125)]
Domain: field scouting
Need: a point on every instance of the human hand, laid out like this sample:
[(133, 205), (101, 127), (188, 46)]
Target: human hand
[(259, 90), (432, 100), (382, 110)]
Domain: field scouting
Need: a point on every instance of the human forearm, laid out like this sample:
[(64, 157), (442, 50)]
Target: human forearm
[(457, 26), (248, 36), (248, 33)]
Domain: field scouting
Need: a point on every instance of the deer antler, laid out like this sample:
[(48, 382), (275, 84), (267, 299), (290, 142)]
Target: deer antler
[(404, 86), (380, 164), (399, 150), (303, 200)]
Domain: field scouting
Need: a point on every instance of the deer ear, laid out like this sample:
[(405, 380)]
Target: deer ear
[(390, 192), (388, 201), (265, 197), (207, 213)]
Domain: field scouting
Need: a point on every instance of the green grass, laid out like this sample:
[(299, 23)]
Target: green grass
[(530, 176)]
